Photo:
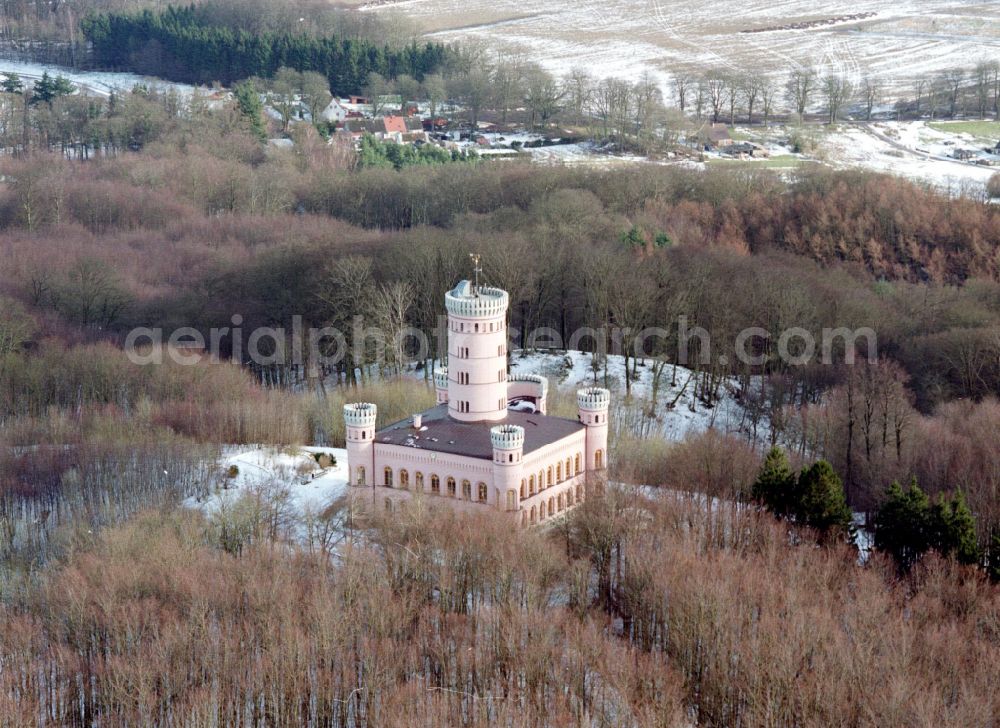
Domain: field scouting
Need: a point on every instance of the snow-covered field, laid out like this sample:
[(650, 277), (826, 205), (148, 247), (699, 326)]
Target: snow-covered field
[(916, 150), (678, 412), (895, 40), (100, 83), (909, 149), (284, 488)]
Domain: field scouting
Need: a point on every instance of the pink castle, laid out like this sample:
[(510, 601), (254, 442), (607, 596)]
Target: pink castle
[(488, 443)]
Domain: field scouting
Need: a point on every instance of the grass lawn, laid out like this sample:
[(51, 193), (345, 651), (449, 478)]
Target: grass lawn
[(989, 130)]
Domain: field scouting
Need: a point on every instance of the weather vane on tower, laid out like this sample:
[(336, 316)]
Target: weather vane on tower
[(476, 270)]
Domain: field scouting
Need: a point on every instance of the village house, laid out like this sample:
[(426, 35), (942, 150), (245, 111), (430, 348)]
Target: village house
[(335, 112), (745, 150), (717, 136), (964, 154), (488, 445), (436, 124), (399, 129)]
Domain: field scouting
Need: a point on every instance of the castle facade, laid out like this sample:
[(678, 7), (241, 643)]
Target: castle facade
[(488, 444)]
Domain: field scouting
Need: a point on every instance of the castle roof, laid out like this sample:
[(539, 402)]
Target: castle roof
[(441, 433)]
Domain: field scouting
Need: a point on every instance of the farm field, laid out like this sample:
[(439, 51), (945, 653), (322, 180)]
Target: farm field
[(625, 38), (918, 150), (988, 131)]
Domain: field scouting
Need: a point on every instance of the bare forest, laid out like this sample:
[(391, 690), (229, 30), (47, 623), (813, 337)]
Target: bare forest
[(831, 558)]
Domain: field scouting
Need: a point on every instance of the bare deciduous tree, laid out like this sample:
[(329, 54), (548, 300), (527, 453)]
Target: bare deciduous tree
[(752, 86), (837, 91), (683, 82), (871, 92), (579, 90), (953, 79), (543, 94), (799, 89), (716, 86)]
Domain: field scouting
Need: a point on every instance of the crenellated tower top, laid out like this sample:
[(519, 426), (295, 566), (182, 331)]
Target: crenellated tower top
[(593, 399), (360, 414), (507, 437), (468, 301)]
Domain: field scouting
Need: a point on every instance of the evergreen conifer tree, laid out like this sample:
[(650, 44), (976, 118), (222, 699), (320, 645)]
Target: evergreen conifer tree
[(903, 524), (775, 483), (11, 83), (819, 500), (251, 108), (953, 529)]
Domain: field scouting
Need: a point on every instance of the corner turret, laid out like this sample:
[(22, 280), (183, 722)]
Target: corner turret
[(593, 404), (508, 450), (359, 422)]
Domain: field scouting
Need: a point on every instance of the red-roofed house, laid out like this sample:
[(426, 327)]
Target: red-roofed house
[(394, 124)]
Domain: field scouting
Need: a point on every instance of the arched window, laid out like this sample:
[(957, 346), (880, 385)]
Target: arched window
[(559, 502), (599, 459), (484, 494), (524, 489), (578, 463), (541, 511), (548, 480), (559, 472), (363, 434), (388, 477), (534, 514), (361, 475), (419, 479), (569, 468), (552, 506), (451, 486), (531, 488), (541, 480), (511, 499), (404, 479), (435, 485), (579, 492), (466, 490), (569, 498), (524, 519)]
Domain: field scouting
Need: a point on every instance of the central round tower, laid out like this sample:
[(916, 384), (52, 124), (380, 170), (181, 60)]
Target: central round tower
[(477, 353)]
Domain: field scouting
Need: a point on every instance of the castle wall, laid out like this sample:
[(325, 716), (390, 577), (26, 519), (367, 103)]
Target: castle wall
[(566, 490), (444, 465)]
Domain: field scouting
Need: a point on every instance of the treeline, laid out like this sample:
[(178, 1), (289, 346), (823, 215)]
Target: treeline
[(540, 231), (388, 154), (182, 44)]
